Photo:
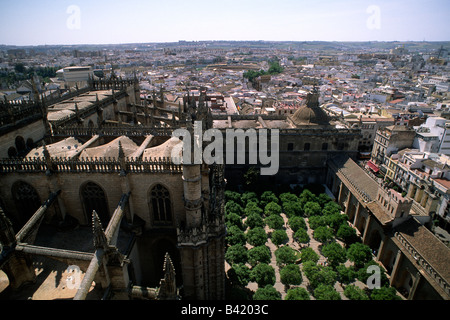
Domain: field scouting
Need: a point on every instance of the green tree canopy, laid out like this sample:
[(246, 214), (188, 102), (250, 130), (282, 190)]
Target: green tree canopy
[(297, 293), (252, 207), (235, 236), (326, 292), (279, 237), (249, 196), (335, 220), (309, 267), (323, 199), (267, 197), (232, 196), (353, 292), (272, 208), (323, 234), (316, 221), (312, 208), (292, 209), (359, 253), (288, 197), (263, 274), (239, 274), (285, 255), (275, 68), (334, 253), (384, 293), (267, 293), (233, 219), (19, 68), (301, 235), (318, 274), (251, 75), (308, 254), (256, 236), (236, 254), (291, 275), (306, 196), (296, 223), (259, 254), (331, 207), (274, 221), (345, 274), (233, 207), (254, 220), (347, 234)]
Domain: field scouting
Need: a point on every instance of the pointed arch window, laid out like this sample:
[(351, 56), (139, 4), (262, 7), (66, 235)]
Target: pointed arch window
[(94, 198), (161, 205), (307, 146), (20, 144), (26, 199)]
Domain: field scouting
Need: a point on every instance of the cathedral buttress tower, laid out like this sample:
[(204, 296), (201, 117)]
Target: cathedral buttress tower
[(201, 238)]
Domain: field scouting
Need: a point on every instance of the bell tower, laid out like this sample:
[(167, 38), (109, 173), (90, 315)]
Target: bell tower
[(201, 238)]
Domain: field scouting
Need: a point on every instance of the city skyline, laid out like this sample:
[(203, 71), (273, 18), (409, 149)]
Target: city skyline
[(83, 22)]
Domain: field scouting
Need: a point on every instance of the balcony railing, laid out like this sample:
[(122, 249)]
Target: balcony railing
[(92, 165), (421, 261)]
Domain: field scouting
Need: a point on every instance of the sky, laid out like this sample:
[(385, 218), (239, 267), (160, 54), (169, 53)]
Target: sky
[(45, 22)]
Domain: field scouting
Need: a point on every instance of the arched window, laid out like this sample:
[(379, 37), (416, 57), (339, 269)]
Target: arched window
[(290, 146), (161, 205), (20, 144), (94, 198), (30, 144), (324, 146), (26, 199), (12, 152), (307, 146)]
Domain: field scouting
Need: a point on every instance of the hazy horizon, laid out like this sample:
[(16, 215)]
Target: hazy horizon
[(218, 40), (34, 23)]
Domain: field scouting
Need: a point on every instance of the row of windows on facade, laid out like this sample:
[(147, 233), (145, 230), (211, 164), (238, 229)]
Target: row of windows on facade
[(93, 197), (388, 206), (307, 146), (290, 146), (20, 147), (325, 146)]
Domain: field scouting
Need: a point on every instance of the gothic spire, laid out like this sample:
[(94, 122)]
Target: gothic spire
[(45, 151), (168, 289), (122, 160), (113, 74), (99, 235), (121, 152), (7, 236)]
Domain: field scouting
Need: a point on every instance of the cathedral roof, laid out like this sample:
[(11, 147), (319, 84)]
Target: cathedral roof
[(311, 113), (111, 150), (63, 148), (161, 151), (434, 251)]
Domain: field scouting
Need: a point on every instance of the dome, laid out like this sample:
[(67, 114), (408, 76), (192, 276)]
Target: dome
[(310, 113), (307, 115)]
